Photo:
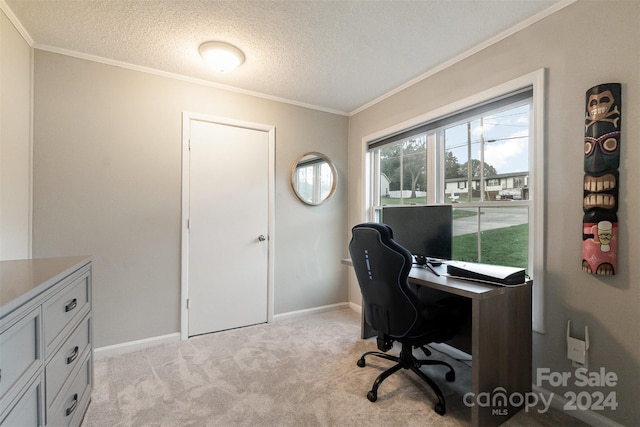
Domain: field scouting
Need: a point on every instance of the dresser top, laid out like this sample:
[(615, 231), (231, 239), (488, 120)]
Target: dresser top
[(21, 280)]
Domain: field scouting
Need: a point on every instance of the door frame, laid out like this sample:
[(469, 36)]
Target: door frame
[(187, 118)]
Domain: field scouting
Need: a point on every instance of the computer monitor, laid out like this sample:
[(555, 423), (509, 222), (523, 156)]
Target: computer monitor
[(426, 231)]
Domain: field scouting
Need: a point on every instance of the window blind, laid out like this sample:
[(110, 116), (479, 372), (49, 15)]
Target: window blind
[(458, 116)]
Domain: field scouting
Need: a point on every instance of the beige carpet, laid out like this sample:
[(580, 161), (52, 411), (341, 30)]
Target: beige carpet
[(298, 372)]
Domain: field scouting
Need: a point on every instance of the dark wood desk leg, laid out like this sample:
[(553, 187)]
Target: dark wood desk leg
[(501, 347)]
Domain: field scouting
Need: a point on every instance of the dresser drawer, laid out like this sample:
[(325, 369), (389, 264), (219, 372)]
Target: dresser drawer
[(28, 411), (69, 407), (64, 309), (72, 352), (20, 355)]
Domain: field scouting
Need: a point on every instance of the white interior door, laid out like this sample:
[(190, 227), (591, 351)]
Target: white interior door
[(228, 226)]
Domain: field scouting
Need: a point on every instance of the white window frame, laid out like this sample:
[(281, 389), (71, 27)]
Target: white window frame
[(537, 194)]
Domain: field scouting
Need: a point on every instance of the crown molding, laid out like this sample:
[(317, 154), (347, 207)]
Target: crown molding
[(16, 22)]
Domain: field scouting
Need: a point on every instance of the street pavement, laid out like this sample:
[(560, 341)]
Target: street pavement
[(490, 218)]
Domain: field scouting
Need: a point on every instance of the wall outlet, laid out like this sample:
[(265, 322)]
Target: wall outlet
[(577, 349)]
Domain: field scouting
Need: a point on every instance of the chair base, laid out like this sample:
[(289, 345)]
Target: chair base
[(407, 360)]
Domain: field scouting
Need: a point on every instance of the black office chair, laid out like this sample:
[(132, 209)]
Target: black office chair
[(392, 307)]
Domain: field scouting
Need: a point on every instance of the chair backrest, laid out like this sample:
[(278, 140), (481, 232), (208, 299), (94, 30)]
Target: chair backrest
[(382, 267)]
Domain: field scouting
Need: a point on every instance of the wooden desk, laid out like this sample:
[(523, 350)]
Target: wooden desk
[(500, 339)]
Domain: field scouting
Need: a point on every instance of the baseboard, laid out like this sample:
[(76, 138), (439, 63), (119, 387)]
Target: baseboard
[(131, 346), (355, 307), (592, 418), (309, 311)]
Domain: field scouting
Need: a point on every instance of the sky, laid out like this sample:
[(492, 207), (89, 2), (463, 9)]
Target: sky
[(506, 140)]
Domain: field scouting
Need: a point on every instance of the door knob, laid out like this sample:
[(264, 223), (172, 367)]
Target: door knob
[(262, 238)]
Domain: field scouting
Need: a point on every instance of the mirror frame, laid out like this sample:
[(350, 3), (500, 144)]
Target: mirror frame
[(334, 173)]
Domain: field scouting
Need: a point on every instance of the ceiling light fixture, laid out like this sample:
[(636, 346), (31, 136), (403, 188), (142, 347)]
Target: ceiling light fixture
[(221, 56)]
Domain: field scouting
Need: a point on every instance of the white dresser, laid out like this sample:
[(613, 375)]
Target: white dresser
[(46, 365)]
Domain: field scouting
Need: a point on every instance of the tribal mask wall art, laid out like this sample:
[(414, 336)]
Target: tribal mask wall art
[(603, 118)]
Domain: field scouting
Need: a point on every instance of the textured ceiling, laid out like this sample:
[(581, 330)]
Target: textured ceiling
[(335, 55)]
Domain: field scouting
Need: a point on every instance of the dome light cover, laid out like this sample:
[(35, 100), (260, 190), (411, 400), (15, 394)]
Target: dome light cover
[(222, 57)]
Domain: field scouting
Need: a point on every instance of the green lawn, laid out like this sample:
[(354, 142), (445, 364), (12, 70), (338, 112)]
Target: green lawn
[(503, 246)]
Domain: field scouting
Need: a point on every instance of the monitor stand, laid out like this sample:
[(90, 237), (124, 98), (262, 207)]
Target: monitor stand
[(423, 261)]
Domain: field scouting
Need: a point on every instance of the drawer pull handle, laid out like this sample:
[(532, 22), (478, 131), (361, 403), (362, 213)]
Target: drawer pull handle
[(73, 304), (72, 408), (73, 355)]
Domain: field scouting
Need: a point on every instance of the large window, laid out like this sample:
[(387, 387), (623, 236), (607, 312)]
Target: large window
[(482, 158)]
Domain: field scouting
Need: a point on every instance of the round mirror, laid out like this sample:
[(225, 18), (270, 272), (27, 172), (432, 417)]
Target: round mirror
[(313, 178)]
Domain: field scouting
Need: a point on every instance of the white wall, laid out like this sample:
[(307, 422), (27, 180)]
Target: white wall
[(585, 44), (15, 143), (107, 182)]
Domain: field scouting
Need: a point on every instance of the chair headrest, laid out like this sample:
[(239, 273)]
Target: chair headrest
[(386, 233)]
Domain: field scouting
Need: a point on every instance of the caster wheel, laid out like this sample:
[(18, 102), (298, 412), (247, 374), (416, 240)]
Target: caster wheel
[(450, 376), (372, 396), (440, 409), (360, 362)]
